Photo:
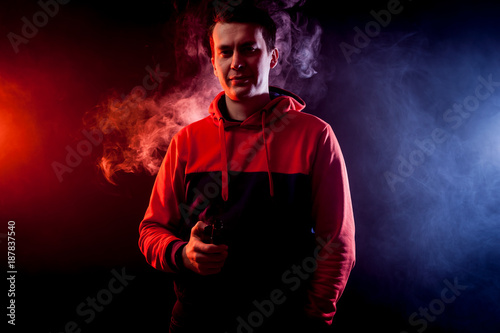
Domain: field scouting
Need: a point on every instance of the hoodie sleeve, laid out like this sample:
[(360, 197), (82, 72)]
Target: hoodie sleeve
[(157, 231), (334, 229)]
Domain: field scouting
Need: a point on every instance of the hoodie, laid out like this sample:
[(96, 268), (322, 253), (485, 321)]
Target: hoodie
[(278, 183)]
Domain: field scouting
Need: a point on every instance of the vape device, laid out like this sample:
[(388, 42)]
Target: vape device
[(215, 232)]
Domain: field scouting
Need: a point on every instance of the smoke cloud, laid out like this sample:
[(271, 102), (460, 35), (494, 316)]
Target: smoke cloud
[(138, 127), (424, 106), (420, 129)]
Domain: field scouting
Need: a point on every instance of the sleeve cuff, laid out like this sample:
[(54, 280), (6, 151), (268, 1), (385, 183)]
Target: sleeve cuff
[(173, 255)]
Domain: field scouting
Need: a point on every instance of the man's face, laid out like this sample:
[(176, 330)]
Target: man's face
[(241, 60)]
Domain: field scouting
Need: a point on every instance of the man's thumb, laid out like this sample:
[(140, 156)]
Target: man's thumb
[(197, 230)]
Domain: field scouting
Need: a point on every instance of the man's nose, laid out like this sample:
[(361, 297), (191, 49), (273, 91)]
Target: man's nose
[(238, 62)]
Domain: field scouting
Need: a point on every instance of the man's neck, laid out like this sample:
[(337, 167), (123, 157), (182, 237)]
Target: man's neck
[(241, 110)]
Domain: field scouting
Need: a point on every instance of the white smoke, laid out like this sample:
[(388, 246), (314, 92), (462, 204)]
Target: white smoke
[(138, 129)]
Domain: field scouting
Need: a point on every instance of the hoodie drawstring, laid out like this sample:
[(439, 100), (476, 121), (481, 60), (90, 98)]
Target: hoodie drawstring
[(223, 157), (271, 184)]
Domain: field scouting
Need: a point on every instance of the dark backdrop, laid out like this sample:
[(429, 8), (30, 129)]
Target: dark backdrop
[(409, 101)]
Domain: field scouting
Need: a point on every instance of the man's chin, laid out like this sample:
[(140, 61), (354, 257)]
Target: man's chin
[(240, 93)]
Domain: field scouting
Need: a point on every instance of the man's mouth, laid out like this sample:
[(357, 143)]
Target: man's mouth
[(239, 79)]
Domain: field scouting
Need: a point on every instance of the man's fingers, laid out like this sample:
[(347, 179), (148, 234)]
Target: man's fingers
[(206, 264), (204, 258), (210, 248), (209, 256)]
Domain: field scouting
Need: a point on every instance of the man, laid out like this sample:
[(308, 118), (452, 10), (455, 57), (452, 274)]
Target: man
[(238, 194)]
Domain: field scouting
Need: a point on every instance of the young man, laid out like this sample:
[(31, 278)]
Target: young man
[(258, 175)]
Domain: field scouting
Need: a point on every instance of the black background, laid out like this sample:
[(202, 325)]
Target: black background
[(70, 235)]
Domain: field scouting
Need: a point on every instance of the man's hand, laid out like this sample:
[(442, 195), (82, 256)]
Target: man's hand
[(202, 258)]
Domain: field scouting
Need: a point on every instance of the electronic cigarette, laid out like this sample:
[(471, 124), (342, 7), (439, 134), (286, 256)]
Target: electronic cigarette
[(215, 231)]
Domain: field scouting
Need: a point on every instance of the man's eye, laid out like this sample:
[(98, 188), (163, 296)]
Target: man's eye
[(225, 53), (250, 49)]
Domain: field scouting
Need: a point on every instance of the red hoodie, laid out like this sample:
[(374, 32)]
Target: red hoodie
[(278, 182)]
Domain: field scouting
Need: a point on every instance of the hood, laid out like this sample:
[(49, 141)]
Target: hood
[(281, 102)]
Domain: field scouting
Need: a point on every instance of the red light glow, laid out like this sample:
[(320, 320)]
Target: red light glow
[(18, 135)]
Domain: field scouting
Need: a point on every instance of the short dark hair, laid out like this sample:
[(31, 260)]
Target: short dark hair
[(244, 13)]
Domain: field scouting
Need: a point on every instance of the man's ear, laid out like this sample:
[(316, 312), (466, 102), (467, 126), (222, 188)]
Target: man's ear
[(213, 65), (274, 58)]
